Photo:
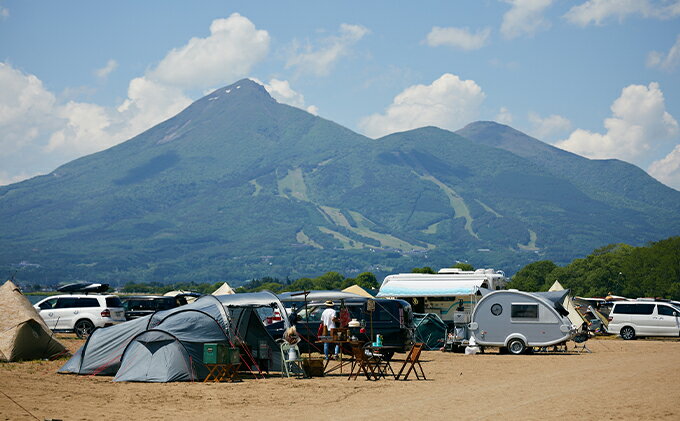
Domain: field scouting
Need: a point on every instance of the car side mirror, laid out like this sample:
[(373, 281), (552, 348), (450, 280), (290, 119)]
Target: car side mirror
[(675, 313)]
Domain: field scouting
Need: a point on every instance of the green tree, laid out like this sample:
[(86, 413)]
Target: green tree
[(464, 266), (425, 269), (367, 280), (533, 277)]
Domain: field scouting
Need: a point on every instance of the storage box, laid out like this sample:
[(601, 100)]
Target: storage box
[(215, 353), (233, 356), (313, 367)]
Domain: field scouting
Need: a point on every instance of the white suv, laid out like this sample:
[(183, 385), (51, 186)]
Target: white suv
[(631, 319), (80, 313)]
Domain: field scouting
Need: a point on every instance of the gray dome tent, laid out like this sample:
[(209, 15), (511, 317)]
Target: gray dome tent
[(126, 351)]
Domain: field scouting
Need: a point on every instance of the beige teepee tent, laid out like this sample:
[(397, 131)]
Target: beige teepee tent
[(225, 289), (356, 289), (23, 334), (574, 316)]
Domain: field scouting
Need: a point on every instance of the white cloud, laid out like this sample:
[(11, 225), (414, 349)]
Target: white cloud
[(232, 49), (504, 116), (597, 11), (105, 71), (448, 103), (525, 17), (460, 38), (26, 111), (319, 62), (638, 126), (4, 12), (548, 127), (281, 91), (668, 61), (37, 133), (667, 170)]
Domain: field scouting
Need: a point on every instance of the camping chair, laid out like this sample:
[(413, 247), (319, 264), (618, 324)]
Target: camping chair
[(381, 364), (362, 363), (294, 366), (580, 339), (413, 358)]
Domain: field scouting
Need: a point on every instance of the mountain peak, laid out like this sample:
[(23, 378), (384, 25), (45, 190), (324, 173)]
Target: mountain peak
[(243, 89)]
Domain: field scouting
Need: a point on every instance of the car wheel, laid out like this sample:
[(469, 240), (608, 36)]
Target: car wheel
[(628, 333), (516, 346), (83, 328)]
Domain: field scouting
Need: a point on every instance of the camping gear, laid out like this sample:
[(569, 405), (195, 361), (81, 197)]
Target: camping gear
[(132, 350), (430, 330), (23, 334), (84, 287), (412, 361), (215, 353), (575, 317), (356, 289), (472, 349), (224, 289)]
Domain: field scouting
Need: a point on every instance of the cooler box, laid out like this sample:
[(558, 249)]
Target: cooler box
[(215, 354)]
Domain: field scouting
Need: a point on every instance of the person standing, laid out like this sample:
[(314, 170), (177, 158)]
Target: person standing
[(330, 321)]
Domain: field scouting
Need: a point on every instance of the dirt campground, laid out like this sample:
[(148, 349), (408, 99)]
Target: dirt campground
[(618, 380)]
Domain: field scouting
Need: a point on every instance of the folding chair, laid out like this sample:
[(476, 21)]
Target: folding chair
[(580, 339), (381, 363), (288, 366), (362, 363), (413, 358)]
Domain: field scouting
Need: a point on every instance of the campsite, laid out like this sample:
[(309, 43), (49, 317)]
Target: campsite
[(618, 380), (139, 370)]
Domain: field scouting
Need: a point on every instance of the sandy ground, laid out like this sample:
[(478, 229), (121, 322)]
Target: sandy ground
[(618, 380)]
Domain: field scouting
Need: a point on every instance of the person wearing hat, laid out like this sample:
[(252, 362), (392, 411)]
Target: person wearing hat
[(330, 321)]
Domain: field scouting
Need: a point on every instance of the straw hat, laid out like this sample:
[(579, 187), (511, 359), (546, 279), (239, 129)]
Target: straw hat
[(329, 303)]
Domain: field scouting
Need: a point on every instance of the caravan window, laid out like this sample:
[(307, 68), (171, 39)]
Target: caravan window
[(524, 311)]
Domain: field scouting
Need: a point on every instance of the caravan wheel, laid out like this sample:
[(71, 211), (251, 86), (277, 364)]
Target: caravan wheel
[(516, 346)]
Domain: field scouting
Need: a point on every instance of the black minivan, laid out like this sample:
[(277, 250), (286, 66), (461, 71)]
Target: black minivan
[(393, 319)]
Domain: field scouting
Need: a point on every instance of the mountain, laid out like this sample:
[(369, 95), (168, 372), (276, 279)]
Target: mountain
[(238, 186)]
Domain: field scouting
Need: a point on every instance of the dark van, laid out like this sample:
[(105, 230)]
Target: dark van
[(393, 319), (142, 305)]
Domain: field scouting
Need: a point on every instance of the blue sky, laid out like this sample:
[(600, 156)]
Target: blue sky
[(596, 77)]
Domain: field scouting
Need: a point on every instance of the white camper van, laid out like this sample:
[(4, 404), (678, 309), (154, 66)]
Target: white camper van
[(450, 294)]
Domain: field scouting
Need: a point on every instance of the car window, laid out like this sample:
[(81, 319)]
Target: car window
[(644, 309), (524, 311), (48, 304), (665, 310), (67, 302), (88, 302), (113, 302), (624, 309)]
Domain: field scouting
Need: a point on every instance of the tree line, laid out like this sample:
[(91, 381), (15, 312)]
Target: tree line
[(619, 269)]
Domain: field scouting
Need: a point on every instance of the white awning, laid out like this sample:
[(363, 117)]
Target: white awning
[(428, 288)]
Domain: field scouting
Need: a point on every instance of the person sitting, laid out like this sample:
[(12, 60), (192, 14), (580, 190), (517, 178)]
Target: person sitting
[(330, 321)]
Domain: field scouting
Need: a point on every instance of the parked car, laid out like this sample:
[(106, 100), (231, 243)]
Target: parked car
[(142, 305), (80, 313), (632, 319), (393, 319)]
